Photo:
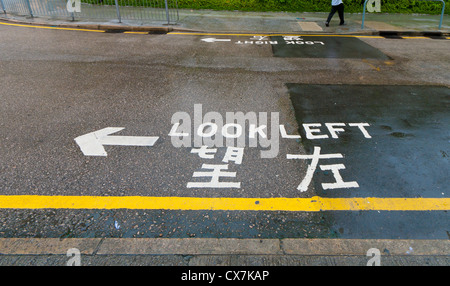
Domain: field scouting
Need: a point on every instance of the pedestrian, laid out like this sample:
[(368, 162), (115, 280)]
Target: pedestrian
[(336, 5)]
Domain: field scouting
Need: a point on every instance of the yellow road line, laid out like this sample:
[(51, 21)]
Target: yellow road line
[(270, 34), (52, 28), (218, 34), (209, 34), (141, 33), (418, 37), (371, 65), (313, 204)]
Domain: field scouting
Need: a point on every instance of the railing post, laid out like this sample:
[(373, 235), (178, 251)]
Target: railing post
[(118, 11), (364, 14), (442, 14), (29, 8), (176, 7), (167, 12)]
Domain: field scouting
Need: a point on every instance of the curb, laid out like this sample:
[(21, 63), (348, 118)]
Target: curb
[(429, 34), (164, 30), (107, 27), (223, 246)]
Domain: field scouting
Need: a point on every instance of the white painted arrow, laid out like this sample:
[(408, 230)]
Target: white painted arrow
[(91, 144), (212, 40)]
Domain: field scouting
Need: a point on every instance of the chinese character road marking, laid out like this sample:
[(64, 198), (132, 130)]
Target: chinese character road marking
[(214, 174), (204, 152), (234, 154), (315, 157)]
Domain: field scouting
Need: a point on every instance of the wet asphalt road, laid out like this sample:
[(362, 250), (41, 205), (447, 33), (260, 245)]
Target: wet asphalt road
[(58, 85)]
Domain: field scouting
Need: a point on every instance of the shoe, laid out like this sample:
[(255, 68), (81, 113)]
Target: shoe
[(342, 23), (327, 24)]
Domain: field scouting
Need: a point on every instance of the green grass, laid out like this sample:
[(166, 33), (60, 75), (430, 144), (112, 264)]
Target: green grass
[(351, 6)]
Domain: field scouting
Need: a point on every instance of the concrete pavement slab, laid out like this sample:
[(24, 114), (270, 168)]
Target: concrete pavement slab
[(223, 246)]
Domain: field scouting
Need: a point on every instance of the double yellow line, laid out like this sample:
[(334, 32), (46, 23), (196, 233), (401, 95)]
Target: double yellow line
[(314, 204)]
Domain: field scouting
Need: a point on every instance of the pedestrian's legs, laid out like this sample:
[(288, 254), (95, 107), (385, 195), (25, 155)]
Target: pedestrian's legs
[(341, 13), (333, 10)]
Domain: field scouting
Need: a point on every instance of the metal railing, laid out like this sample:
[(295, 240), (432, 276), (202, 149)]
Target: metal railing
[(134, 10), (440, 22)]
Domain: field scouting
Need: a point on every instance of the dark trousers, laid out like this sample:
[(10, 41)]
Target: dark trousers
[(340, 9)]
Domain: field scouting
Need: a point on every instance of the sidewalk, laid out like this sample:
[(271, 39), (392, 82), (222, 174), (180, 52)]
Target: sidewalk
[(222, 252), (264, 22), (279, 22)]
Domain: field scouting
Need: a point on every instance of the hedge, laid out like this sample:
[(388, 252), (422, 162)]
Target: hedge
[(351, 6)]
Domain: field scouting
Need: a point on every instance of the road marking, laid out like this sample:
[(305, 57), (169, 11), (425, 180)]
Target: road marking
[(212, 40), (314, 204), (140, 33), (208, 34), (371, 65), (416, 37), (290, 34), (270, 34), (51, 28), (91, 144)]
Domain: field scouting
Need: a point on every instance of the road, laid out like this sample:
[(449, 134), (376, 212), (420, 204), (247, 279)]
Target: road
[(343, 137)]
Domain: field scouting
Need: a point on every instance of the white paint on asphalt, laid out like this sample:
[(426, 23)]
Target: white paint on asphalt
[(91, 144)]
